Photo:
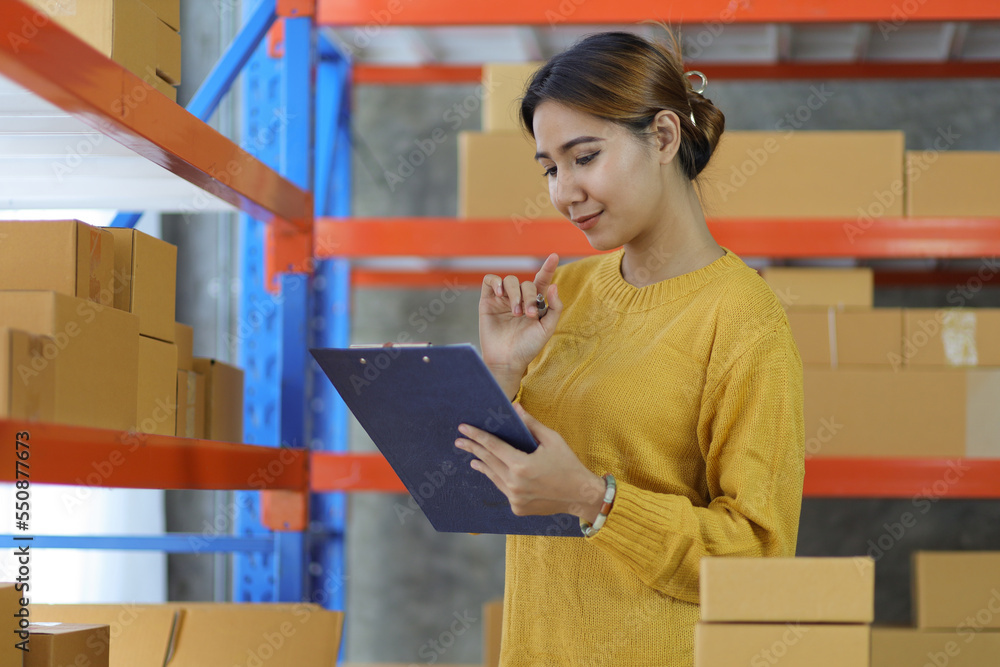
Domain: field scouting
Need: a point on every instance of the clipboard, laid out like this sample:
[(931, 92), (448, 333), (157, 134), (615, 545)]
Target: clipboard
[(410, 400)]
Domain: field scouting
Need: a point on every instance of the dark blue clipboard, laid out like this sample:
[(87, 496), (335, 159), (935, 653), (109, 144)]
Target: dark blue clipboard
[(410, 400)]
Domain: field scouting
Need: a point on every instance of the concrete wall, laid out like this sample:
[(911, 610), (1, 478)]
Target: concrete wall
[(406, 582)]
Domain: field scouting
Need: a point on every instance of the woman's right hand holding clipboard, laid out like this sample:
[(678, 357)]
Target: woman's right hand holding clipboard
[(511, 330)]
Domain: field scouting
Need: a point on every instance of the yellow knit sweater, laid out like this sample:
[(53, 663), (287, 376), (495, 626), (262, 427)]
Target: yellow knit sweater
[(689, 391)]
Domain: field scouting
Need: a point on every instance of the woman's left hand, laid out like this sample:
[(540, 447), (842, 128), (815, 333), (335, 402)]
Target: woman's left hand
[(550, 480)]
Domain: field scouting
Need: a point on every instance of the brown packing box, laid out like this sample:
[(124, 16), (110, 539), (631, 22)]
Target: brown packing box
[(911, 647), (784, 644), (952, 183), (503, 86), (168, 53), (911, 413), (223, 400), (200, 413), (65, 256), (780, 590), (67, 645), (146, 281), (168, 11), (10, 607), (275, 635), (956, 590), (27, 378), (798, 287), (492, 632), (184, 339), (96, 355), (123, 30), (854, 336), (153, 80), (499, 178), (156, 410), (181, 420), (781, 175), (951, 337)]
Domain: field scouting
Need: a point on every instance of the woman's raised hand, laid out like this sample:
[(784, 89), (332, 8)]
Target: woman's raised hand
[(510, 331)]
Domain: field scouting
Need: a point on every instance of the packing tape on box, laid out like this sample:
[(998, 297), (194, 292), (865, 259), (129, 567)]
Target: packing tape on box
[(192, 399), (95, 265), (958, 336), (831, 320)]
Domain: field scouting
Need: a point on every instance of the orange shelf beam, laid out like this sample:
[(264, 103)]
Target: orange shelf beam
[(762, 237), (380, 13), (60, 454), (931, 479), (39, 55), (371, 74), (825, 478), (353, 472)]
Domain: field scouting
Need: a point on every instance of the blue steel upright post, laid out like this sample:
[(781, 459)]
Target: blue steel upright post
[(271, 337)]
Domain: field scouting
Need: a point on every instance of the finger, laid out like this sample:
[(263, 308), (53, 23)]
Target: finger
[(492, 285), (496, 447), (513, 288), (528, 294), (479, 466), (482, 454), (545, 274)]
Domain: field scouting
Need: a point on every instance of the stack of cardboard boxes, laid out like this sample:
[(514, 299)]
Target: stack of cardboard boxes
[(855, 175), (88, 336), (141, 35), (181, 635), (796, 612), (886, 382), (956, 604)]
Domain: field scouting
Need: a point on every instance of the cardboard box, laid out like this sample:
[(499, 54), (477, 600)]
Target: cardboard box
[(503, 86), (156, 410), (492, 632), (10, 605), (168, 53), (498, 177), (952, 183), (806, 287), (168, 11), (65, 256), (123, 30), (223, 400), (190, 405), (911, 647), (161, 86), (785, 644), (146, 281), (67, 645), (951, 337), (781, 590), (96, 355), (956, 590), (840, 174), (276, 635), (27, 378), (847, 336), (913, 413), (184, 339)]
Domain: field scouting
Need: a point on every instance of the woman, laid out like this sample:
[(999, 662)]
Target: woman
[(663, 385)]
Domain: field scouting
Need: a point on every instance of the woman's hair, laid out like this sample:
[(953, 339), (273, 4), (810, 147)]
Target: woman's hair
[(627, 79)]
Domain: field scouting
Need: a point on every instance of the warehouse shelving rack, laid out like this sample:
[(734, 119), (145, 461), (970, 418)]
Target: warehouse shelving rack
[(291, 183)]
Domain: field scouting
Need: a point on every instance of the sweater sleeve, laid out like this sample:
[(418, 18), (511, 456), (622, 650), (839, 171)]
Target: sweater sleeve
[(752, 435)]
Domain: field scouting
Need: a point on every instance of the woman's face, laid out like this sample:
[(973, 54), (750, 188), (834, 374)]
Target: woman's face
[(601, 176)]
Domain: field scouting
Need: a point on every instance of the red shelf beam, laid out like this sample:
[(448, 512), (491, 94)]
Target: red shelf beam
[(382, 13), (372, 74), (353, 472), (903, 478), (39, 55), (60, 454), (446, 237)]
